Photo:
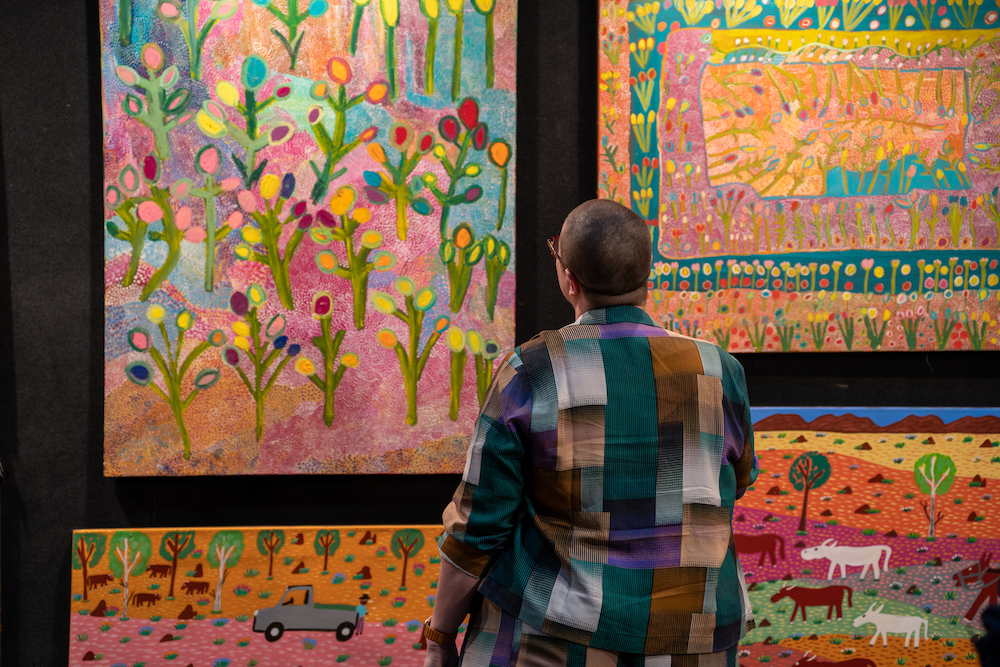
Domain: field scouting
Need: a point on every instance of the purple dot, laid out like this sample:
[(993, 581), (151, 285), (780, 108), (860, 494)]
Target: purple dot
[(239, 304)]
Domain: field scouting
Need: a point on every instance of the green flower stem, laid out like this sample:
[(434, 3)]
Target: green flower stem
[(215, 234), (136, 236), (292, 21), (456, 71), (261, 360), (910, 327), (249, 139), (329, 345), (399, 189), (457, 376), (412, 363), (359, 11), (943, 332), (495, 264), (333, 147), (390, 60), (125, 22), (195, 38), (455, 173), (429, 54), (490, 41), (173, 238), (977, 333), (459, 277), (174, 378), (484, 376), (154, 117), (846, 326), (357, 271), (875, 334), (502, 206), (271, 228)]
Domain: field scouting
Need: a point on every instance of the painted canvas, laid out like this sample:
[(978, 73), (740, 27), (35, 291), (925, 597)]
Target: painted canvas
[(869, 538), (309, 243), (817, 175), (307, 595)]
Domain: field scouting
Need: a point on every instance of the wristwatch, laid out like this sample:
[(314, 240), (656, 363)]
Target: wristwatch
[(438, 637)]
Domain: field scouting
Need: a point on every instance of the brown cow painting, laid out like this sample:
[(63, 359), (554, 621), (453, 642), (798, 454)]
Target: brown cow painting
[(147, 599), (765, 545), (98, 581), (194, 587), (829, 596), (157, 571)]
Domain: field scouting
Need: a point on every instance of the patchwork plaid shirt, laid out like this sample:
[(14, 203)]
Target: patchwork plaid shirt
[(597, 499)]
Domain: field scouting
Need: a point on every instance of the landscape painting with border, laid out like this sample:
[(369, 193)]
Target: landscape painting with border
[(863, 523), (870, 537), (308, 234), (817, 175)]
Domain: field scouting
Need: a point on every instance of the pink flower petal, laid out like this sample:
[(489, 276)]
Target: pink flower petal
[(247, 201), (235, 220), (150, 211), (195, 235), (230, 184), (183, 218)]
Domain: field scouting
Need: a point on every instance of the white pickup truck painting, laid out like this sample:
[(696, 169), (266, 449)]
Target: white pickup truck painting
[(298, 610)]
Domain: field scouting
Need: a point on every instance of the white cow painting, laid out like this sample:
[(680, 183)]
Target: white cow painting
[(865, 557), (886, 623)]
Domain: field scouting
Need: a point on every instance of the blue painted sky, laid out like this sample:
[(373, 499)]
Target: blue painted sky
[(881, 416)]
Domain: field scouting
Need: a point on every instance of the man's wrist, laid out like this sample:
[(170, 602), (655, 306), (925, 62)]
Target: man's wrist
[(443, 638)]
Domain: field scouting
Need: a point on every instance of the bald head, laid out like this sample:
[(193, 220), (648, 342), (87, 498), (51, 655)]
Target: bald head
[(607, 247)]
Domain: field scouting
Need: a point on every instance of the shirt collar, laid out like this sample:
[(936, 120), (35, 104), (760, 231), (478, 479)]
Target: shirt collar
[(616, 314)]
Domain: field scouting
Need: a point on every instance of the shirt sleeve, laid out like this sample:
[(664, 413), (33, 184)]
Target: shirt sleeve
[(481, 516), (746, 464)]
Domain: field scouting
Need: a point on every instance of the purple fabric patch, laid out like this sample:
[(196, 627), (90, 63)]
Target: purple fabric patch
[(544, 449), (631, 330), (649, 548)]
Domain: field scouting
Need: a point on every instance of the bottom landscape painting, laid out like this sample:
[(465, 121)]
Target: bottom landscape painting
[(867, 541), (263, 596)]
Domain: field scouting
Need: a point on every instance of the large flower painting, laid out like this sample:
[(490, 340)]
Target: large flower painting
[(309, 225)]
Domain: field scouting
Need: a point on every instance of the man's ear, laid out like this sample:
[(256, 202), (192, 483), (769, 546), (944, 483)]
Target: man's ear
[(572, 284)]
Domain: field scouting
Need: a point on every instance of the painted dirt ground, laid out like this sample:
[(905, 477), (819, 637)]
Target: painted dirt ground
[(361, 562), (869, 497)]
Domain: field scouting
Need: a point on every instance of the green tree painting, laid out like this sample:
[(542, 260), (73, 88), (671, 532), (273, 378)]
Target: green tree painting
[(934, 474), (224, 552), (405, 544), (809, 471), (87, 552), (130, 552)]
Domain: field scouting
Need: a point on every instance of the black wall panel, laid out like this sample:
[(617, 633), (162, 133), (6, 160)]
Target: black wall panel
[(51, 325)]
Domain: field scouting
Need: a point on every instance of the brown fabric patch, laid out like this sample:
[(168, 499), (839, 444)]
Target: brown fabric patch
[(677, 589), (472, 560), (589, 540), (538, 651), (701, 636), (557, 492), (581, 437)]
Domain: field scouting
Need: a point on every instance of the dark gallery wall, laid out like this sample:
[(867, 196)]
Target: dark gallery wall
[(51, 329)]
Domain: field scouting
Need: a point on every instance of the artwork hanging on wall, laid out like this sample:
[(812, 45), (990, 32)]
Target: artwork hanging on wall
[(865, 526), (859, 518), (818, 175), (307, 595), (309, 232)]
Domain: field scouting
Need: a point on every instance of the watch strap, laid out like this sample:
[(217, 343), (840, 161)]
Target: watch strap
[(436, 636)]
